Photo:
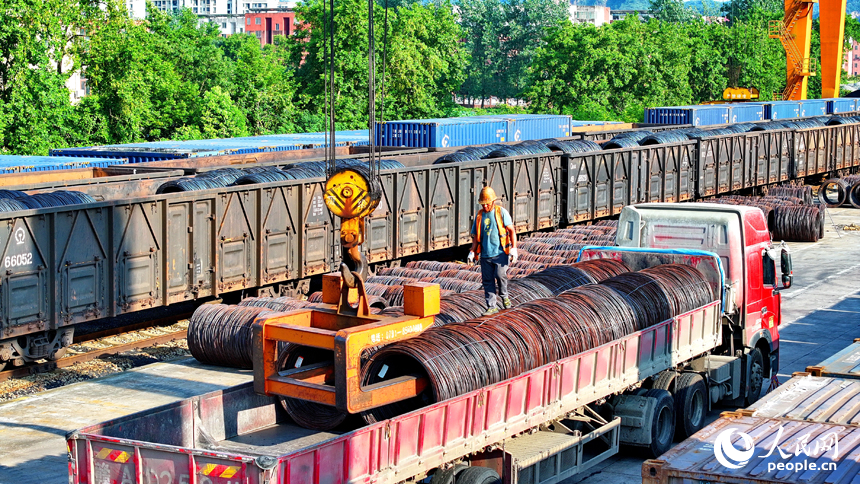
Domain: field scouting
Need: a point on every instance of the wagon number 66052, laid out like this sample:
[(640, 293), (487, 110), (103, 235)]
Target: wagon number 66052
[(18, 260)]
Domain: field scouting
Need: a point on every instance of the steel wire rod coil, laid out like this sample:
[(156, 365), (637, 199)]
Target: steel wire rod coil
[(461, 357), (222, 335), (310, 415), (799, 223), (833, 192)]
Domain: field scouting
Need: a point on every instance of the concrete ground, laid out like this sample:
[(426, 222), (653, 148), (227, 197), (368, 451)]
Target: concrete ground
[(821, 314)]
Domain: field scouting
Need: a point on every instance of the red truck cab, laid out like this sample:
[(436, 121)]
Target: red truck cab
[(739, 236)]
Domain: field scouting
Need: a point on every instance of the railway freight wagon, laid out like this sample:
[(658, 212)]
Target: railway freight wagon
[(133, 250)]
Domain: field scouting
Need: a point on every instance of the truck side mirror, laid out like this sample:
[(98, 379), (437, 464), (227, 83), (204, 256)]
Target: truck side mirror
[(785, 267)]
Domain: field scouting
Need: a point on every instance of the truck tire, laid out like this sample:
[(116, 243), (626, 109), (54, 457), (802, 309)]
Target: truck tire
[(691, 397), (754, 377), (666, 381), (478, 475), (663, 423), (447, 476)]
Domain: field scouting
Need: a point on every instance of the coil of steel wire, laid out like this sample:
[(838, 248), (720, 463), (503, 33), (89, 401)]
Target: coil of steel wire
[(57, 198), (621, 142), (222, 335), (797, 223), (432, 265), (833, 192), (464, 356), (854, 196), (464, 275), (406, 272), (663, 137), (11, 205), (310, 415)]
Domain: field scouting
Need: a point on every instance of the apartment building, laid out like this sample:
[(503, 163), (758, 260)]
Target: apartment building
[(589, 14)]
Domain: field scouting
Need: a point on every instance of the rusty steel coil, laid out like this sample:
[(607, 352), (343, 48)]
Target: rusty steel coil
[(281, 304), (411, 272), (607, 223), (391, 280), (532, 246), (799, 223), (461, 274), (802, 192), (456, 285), (602, 269), (310, 415), (833, 192), (432, 265), (464, 356), (222, 335), (854, 196), (547, 260)]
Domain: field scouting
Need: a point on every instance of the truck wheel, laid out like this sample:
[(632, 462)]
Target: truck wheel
[(663, 424), (756, 374), (478, 475), (690, 404), (665, 380), (447, 476)]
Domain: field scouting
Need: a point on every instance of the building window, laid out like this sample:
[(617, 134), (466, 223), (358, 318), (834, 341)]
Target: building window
[(257, 21), (224, 25), (277, 26), (248, 21)]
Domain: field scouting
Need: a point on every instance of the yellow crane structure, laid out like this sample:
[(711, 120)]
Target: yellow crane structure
[(794, 32)]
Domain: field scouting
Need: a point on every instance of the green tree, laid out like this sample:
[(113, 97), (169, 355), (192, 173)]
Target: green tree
[(671, 11), (40, 43), (502, 38), (425, 61), (219, 116)]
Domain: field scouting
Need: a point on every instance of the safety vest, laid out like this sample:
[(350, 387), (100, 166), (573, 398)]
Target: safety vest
[(503, 234)]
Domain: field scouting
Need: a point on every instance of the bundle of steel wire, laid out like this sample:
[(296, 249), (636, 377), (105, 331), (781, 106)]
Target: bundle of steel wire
[(222, 335), (508, 151), (461, 357), (471, 153), (798, 223), (219, 178), (267, 176), (58, 198), (460, 274), (310, 415), (620, 142), (432, 265), (803, 192), (664, 137), (406, 272), (792, 224), (11, 205), (573, 146), (835, 192)]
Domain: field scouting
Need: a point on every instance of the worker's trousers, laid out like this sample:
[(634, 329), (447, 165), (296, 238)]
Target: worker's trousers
[(494, 271)]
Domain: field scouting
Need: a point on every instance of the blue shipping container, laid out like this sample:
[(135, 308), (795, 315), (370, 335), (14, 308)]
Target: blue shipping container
[(523, 127), (442, 132), (745, 112), (23, 164), (813, 107), (840, 105), (704, 115), (775, 110)]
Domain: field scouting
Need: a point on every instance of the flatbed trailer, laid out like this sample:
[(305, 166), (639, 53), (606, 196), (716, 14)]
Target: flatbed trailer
[(236, 436)]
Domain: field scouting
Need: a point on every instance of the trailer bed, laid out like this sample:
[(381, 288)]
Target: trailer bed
[(235, 435)]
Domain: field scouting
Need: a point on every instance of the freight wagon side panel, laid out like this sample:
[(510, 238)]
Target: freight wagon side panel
[(548, 201), (442, 232), (524, 181), (580, 186), (319, 247), (721, 164), (411, 228), (190, 229), (236, 256), (671, 177), (280, 231), (27, 285), (616, 176), (395, 449), (138, 232), (379, 226)]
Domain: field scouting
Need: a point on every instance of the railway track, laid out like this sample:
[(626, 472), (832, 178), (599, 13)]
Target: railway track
[(153, 333)]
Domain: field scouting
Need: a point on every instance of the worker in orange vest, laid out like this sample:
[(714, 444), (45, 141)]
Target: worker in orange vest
[(494, 238)]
